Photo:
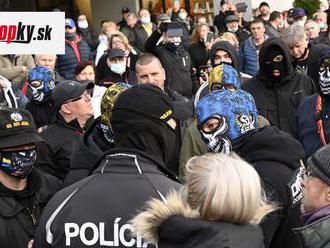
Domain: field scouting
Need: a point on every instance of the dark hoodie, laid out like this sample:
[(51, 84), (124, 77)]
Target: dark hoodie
[(225, 46), (278, 100), (276, 156), (307, 127)]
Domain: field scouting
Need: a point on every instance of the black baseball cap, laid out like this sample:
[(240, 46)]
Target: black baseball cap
[(115, 53), (67, 90), (17, 128), (125, 10)]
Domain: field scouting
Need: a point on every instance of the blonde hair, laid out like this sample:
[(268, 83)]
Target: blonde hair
[(108, 24), (197, 32), (121, 36), (230, 37), (225, 188)]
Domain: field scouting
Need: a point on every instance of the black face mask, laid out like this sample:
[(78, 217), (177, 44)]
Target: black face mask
[(70, 36), (223, 63), (276, 61)]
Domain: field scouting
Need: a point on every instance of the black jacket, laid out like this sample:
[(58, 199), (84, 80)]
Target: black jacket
[(54, 155), (138, 37), (279, 100), (120, 186), (91, 37), (86, 155), (43, 113), (276, 156), (177, 65), (198, 54), (20, 211)]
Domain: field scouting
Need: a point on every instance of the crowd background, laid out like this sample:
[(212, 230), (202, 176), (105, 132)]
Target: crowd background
[(179, 133)]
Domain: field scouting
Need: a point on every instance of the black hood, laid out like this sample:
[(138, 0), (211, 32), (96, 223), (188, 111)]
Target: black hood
[(269, 143), (267, 46), (324, 53), (229, 48)]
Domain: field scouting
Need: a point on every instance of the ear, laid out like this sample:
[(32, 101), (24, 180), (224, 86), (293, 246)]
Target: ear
[(65, 109), (164, 74), (328, 194)]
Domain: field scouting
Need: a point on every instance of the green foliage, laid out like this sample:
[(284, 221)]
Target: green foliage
[(310, 6)]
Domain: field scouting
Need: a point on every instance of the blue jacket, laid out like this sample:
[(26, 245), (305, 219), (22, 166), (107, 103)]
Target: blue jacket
[(248, 56), (67, 63)]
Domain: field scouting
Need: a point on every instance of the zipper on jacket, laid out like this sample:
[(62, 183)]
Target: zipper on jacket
[(184, 61), (34, 219)]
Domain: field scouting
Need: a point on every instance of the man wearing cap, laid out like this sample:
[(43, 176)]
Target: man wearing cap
[(123, 22), (299, 16), (76, 51), (24, 190), (232, 25), (249, 51), (115, 70), (174, 58), (316, 201), (130, 174), (264, 11), (75, 113)]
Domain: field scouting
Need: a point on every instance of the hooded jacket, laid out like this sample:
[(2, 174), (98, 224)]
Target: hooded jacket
[(308, 132), (174, 224), (101, 204), (278, 100), (276, 157)]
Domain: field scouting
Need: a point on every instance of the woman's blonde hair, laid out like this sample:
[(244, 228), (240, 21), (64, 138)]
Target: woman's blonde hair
[(197, 32), (230, 37), (108, 24), (120, 35), (225, 188)]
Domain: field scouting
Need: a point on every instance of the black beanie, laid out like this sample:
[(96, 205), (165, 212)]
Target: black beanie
[(319, 164), (147, 100)]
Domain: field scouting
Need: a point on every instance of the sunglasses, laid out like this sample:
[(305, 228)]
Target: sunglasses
[(86, 95)]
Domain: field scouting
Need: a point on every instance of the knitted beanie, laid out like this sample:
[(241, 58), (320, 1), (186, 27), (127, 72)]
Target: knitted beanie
[(319, 164)]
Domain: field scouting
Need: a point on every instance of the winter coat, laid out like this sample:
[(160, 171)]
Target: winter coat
[(75, 52), (85, 157), (249, 58), (54, 155), (315, 233), (279, 100), (179, 77), (138, 37), (20, 211), (271, 31), (198, 54), (11, 68), (276, 156), (175, 225), (91, 37), (104, 202)]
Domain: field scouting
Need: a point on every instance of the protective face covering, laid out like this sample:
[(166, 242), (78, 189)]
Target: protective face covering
[(118, 68), (19, 163), (324, 79), (183, 16), (217, 141), (83, 24), (41, 82), (232, 30), (70, 36), (145, 20), (322, 25), (301, 22), (275, 63)]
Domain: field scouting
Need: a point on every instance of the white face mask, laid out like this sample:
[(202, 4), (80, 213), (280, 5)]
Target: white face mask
[(145, 20), (183, 16), (83, 24), (322, 25), (232, 30), (118, 68), (301, 23)]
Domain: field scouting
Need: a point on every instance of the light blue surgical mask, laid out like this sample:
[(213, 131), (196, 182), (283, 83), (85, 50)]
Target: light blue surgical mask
[(145, 20), (118, 68)]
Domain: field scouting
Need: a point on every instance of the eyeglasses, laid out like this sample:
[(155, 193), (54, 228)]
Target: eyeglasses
[(86, 95)]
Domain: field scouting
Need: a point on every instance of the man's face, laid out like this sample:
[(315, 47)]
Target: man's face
[(86, 74), (321, 17), (222, 56), (131, 21), (47, 61), (117, 60), (316, 194), (257, 30), (312, 30), (70, 30), (81, 107), (144, 13), (232, 25), (172, 39), (152, 73), (264, 10), (298, 49)]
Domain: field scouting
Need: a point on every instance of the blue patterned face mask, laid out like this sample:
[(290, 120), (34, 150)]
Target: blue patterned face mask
[(18, 163)]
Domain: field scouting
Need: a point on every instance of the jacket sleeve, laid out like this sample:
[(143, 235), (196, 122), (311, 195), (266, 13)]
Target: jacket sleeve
[(44, 158), (11, 72), (151, 43), (30, 64)]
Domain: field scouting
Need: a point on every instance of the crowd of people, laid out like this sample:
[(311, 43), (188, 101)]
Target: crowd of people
[(166, 131)]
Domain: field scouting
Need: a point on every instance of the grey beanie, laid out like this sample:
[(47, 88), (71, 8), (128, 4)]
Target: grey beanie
[(319, 164)]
